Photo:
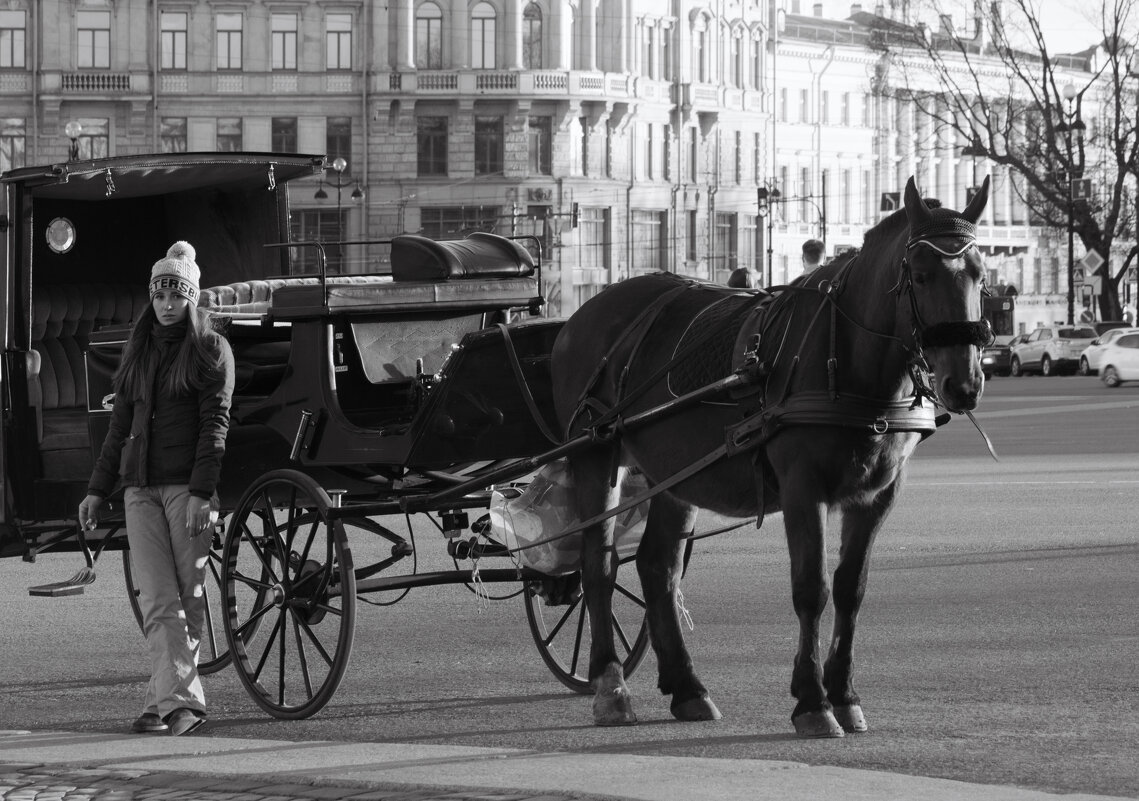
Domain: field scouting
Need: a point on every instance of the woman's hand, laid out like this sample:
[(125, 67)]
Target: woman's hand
[(89, 512), (200, 515)]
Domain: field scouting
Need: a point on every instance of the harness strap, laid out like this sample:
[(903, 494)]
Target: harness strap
[(524, 386)]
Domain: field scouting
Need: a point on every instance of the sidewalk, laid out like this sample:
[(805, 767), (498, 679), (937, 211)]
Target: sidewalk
[(60, 766)]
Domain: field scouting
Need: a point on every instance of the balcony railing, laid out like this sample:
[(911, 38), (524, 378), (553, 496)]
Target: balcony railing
[(95, 82)]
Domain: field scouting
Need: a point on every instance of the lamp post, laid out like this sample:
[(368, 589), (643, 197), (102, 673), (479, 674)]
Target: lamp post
[(72, 131), (339, 165), (766, 196), (1071, 122)]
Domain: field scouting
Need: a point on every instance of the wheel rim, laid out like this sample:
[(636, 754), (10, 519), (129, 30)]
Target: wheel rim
[(1084, 368), (213, 651), (1046, 367), (1015, 367), (290, 595), (1109, 377), (562, 632)]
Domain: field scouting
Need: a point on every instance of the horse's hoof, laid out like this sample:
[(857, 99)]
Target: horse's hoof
[(612, 703), (851, 718), (696, 709), (817, 724)]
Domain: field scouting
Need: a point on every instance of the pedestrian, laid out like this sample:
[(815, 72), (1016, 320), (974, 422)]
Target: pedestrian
[(813, 250), (164, 446)]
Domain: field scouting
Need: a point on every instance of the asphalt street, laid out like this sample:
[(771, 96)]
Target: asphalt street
[(997, 644)]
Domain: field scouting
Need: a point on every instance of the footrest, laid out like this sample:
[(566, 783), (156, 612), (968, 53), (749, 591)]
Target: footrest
[(73, 586)]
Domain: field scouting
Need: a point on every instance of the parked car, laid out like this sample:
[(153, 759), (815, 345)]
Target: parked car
[(995, 360), (1103, 326), (1093, 353), (1051, 350), (1120, 360)]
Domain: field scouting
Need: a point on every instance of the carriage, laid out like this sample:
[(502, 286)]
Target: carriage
[(358, 398), (424, 388)]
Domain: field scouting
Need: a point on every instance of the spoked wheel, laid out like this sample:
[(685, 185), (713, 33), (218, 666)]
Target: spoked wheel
[(562, 632), (213, 653), (290, 595)]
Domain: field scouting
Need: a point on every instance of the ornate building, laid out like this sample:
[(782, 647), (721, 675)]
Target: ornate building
[(626, 135)]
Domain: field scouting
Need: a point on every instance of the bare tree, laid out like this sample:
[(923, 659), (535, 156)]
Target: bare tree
[(1054, 120)]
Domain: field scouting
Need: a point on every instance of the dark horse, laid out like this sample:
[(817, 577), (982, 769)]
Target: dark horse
[(844, 368)]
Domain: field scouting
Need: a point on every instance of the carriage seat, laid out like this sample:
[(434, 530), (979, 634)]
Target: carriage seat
[(480, 255), (63, 318)]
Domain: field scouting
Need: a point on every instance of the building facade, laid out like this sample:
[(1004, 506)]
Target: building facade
[(626, 136)]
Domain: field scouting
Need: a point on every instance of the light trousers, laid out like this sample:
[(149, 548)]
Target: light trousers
[(169, 569)]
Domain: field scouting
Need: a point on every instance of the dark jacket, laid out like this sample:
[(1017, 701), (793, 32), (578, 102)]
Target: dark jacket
[(164, 438)]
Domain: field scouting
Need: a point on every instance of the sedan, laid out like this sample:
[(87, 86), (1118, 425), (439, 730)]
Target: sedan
[(1120, 360), (1093, 354)]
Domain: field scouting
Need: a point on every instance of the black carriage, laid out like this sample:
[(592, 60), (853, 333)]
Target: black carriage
[(409, 390)]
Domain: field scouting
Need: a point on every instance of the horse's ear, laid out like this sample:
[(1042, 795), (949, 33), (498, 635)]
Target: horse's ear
[(977, 205), (916, 209)]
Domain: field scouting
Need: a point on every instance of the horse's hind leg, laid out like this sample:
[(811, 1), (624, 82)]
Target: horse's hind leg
[(612, 704), (860, 525), (660, 564)]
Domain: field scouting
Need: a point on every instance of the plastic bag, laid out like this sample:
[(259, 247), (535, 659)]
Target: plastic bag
[(521, 517)]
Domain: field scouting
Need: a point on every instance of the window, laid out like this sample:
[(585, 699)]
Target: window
[(737, 66), (592, 271), (431, 145), (284, 132), (172, 40), (95, 139), (339, 41), (93, 39), (172, 134), (483, 37), (449, 222), (756, 65), (532, 37), (700, 54), (692, 251), (666, 54), (739, 156), (844, 112), (13, 138), (825, 102), (284, 41), (12, 40), (724, 247), (647, 35), (748, 243), (650, 249), (320, 225), (488, 145), (429, 37), (804, 105), (338, 138), (229, 41), (540, 150), (229, 134)]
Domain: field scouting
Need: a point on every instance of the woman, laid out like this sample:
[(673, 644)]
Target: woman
[(165, 445)]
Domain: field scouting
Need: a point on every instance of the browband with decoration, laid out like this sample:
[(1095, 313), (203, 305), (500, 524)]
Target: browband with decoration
[(942, 226)]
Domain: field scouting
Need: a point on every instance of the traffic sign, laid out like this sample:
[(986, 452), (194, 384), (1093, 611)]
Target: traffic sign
[(1077, 275), (1092, 261), (1081, 188)]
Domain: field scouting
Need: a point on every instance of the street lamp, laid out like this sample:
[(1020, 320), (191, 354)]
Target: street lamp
[(339, 165), (974, 150), (1070, 123), (766, 196), (72, 131)]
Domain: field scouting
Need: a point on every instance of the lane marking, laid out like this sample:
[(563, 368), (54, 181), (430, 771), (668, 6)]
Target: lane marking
[(1073, 407)]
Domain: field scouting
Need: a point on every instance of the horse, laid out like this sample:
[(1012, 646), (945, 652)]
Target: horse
[(841, 374)]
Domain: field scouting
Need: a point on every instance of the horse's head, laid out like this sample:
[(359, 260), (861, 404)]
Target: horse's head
[(944, 277)]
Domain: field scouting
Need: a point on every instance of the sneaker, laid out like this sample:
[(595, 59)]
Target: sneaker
[(149, 723), (184, 720)]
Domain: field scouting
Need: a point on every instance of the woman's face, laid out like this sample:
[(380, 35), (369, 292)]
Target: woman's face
[(170, 307)]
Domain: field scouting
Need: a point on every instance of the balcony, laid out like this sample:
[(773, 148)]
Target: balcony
[(277, 83), (557, 84)]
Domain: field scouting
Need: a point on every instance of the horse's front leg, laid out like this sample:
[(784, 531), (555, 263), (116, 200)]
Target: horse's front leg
[(860, 525), (804, 517), (660, 565), (612, 704)]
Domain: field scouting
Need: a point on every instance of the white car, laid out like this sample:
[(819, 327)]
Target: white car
[(1120, 360), (1093, 354)]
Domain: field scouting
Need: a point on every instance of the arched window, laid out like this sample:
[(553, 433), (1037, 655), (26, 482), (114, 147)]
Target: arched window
[(532, 37), (483, 37), (429, 37)]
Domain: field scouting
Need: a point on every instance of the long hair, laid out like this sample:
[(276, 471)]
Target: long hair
[(198, 360)]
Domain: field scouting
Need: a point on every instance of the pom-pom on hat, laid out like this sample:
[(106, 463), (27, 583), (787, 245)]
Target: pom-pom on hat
[(177, 272)]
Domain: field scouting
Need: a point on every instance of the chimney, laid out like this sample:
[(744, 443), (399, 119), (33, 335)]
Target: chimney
[(855, 8), (818, 9)]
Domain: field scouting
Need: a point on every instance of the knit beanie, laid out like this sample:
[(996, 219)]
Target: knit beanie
[(177, 272)]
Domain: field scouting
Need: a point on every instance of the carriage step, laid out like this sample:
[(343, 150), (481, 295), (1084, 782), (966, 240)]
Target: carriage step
[(73, 586)]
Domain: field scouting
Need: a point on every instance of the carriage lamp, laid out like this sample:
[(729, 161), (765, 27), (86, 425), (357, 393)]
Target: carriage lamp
[(1069, 125), (72, 131)]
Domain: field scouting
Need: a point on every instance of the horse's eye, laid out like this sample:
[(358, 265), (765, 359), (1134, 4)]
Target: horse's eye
[(920, 278)]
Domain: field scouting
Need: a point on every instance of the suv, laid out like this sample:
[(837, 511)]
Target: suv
[(1051, 350)]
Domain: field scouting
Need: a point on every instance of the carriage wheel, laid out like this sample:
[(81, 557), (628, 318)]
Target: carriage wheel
[(213, 654), (290, 595), (562, 632)]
